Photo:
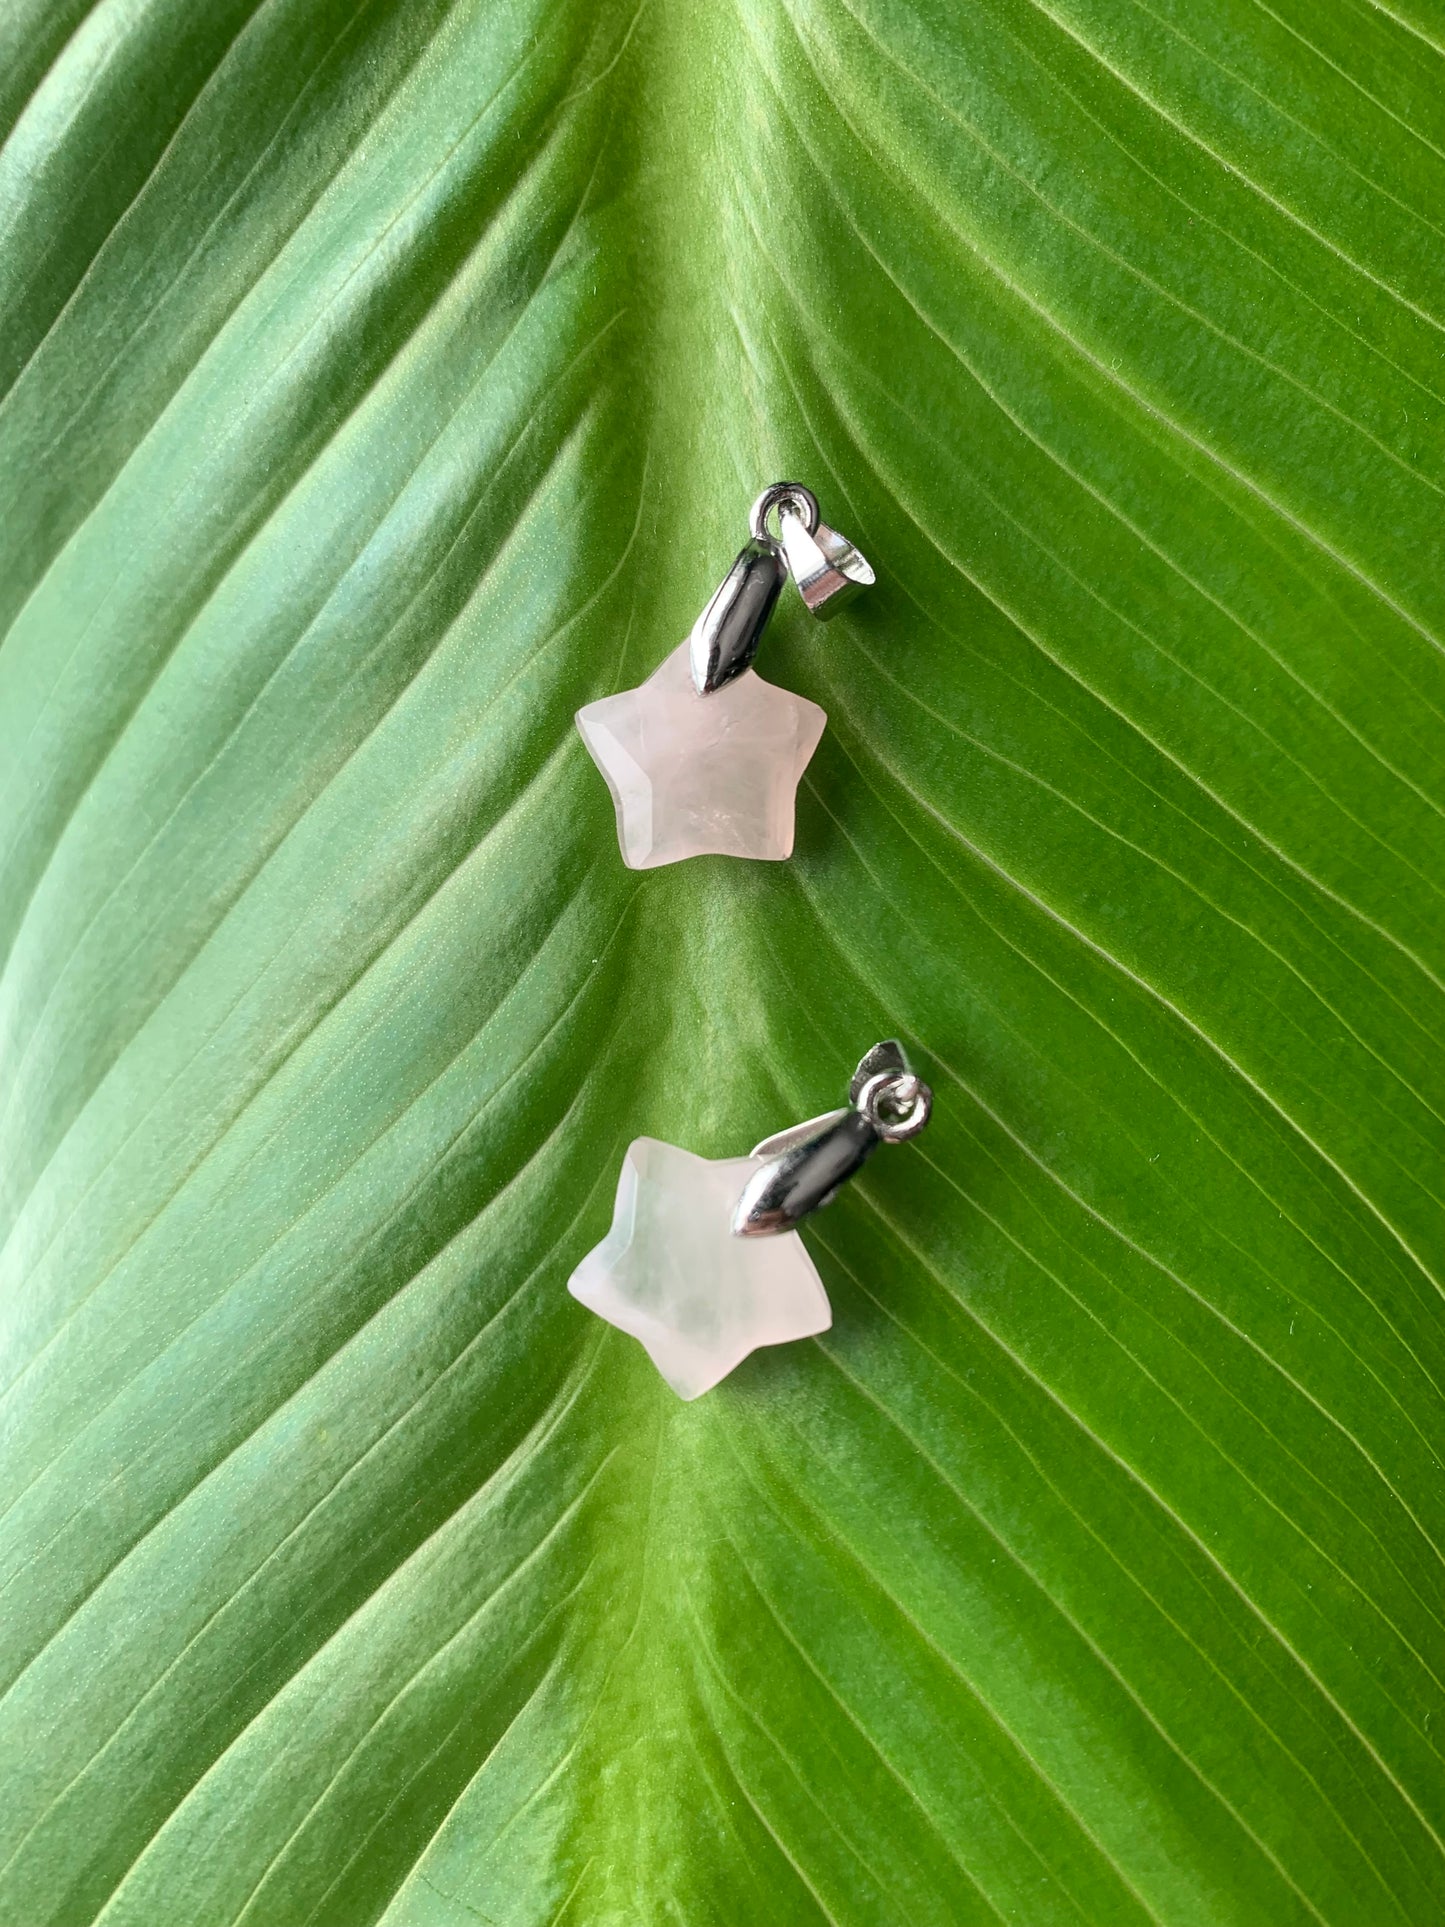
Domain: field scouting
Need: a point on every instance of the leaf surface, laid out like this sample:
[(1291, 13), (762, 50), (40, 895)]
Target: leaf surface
[(380, 383)]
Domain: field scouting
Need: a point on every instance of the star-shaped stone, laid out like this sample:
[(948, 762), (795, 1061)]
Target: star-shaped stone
[(702, 775), (672, 1274)]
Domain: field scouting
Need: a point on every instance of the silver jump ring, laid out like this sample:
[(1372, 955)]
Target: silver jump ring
[(896, 1104), (802, 500)]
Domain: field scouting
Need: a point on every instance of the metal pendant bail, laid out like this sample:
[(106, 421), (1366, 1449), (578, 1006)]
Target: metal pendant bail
[(807, 1163), (828, 569), (726, 635)]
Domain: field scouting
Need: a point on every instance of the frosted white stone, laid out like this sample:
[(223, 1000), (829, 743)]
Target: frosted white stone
[(702, 775), (672, 1274)]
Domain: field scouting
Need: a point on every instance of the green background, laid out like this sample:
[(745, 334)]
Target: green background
[(383, 380)]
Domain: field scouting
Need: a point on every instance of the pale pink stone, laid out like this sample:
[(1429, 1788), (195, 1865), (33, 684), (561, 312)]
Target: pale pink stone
[(702, 775), (672, 1274)]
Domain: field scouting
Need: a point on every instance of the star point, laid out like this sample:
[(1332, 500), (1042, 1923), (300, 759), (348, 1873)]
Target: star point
[(695, 775)]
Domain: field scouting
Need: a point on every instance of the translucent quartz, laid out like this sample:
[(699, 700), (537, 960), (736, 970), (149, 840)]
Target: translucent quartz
[(702, 775), (672, 1274)]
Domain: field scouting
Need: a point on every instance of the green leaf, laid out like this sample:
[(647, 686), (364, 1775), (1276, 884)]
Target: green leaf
[(381, 382)]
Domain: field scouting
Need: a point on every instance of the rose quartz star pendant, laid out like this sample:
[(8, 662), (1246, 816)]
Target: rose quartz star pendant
[(671, 1272), (704, 1264), (705, 758), (693, 775)]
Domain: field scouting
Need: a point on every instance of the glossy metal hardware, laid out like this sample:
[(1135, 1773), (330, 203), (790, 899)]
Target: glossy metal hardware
[(778, 496), (827, 568), (807, 1163), (726, 635)]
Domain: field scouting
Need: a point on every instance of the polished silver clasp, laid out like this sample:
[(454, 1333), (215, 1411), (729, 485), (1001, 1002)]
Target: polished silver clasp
[(726, 635), (828, 569), (807, 1163)]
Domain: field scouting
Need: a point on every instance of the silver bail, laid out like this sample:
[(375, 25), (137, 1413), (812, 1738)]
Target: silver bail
[(726, 635), (827, 568), (807, 1163)]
